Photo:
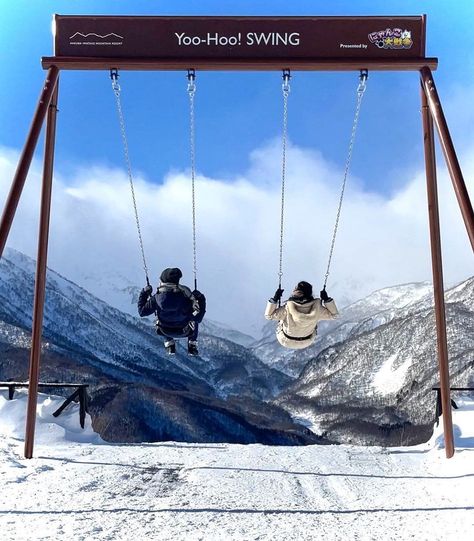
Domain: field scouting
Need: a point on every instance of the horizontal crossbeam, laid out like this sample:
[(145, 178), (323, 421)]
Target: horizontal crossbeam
[(238, 64)]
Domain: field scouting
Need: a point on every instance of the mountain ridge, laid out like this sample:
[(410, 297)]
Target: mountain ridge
[(94, 342), (359, 381)]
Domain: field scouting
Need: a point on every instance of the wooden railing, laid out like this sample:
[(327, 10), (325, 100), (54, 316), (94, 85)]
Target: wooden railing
[(80, 393), (439, 409)]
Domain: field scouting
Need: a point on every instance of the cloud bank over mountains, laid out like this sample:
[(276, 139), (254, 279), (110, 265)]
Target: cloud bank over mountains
[(382, 239)]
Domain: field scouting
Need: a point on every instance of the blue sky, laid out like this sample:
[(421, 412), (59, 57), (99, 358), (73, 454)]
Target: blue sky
[(321, 104), (383, 238)]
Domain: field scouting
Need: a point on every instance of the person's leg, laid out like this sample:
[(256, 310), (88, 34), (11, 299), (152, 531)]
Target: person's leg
[(194, 326), (170, 344), (192, 338)]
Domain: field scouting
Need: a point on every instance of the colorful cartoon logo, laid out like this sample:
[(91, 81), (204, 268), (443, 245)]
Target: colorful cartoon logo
[(391, 38)]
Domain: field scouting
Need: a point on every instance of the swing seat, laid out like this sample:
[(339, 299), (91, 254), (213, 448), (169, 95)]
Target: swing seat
[(175, 332)]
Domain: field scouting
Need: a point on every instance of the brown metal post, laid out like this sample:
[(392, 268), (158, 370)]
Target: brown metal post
[(26, 156), (454, 169), (40, 281), (437, 265)]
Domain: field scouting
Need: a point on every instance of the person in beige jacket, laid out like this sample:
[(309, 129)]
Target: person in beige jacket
[(299, 316)]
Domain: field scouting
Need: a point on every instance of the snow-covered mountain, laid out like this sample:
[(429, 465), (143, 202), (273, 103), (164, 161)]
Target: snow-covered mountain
[(370, 380), (368, 377), (87, 340), (224, 331)]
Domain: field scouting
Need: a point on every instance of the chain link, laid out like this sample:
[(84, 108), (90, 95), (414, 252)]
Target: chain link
[(117, 91), (286, 92), (360, 94), (191, 93)]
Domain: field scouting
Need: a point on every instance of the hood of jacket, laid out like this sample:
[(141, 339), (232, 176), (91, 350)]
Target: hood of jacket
[(303, 313)]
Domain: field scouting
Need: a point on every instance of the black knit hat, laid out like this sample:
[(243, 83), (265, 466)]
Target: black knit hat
[(171, 275), (305, 288)]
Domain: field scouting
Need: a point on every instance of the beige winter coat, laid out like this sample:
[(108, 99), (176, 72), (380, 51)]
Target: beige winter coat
[(299, 320)]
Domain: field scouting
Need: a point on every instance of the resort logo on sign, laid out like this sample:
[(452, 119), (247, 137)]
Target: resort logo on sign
[(111, 39), (392, 38)]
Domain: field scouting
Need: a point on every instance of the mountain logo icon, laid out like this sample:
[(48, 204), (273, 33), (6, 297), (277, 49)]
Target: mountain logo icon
[(92, 38), (112, 34)]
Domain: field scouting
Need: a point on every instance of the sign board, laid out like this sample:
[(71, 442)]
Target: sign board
[(214, 38)]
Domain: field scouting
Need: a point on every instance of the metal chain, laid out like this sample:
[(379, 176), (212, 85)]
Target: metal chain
[(360, 94), (117, 90), (191, 93), (286, 93)]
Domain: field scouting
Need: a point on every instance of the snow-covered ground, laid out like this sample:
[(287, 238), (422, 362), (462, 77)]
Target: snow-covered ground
[(79, 487)]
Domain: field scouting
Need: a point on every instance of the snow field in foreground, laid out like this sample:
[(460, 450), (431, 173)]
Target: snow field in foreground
[(79, 487)]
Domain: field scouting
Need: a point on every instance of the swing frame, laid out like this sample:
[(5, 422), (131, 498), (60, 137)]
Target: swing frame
[(324, 44)]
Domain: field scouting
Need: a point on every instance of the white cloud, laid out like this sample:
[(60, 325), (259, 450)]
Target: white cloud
[(382, 240)]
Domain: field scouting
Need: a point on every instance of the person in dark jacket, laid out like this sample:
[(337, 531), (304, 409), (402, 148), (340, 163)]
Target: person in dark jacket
[(178, 310)]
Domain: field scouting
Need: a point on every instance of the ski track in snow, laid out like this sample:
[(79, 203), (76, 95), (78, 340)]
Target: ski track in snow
[(191, 491)]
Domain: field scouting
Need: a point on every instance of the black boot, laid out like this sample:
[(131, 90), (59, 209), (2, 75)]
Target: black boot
[(170, 346), (192, 348)]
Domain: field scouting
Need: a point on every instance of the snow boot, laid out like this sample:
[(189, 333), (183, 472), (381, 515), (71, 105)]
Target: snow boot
[(192, 348), (170, 346)]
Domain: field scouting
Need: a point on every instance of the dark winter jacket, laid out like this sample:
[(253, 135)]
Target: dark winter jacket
[(174, 305)]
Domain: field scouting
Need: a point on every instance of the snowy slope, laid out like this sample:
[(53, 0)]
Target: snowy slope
[(164, 491), (376, 386)]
